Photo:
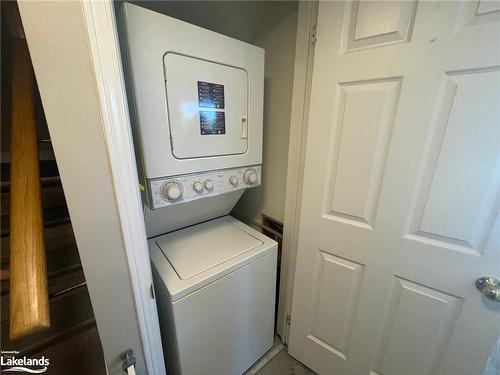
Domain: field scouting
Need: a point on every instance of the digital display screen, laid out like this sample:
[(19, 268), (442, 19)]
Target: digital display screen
[(210, 95), (212, 122)]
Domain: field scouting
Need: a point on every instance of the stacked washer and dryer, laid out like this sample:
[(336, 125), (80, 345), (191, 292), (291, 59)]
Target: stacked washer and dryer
[(196, 103)]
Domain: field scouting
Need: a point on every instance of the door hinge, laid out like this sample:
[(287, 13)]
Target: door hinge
[(314, 35), (128, 361), (288, 321)]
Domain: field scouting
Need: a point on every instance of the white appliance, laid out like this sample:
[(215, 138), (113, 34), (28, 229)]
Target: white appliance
[(197, 105), (215, 283), (196, 102)]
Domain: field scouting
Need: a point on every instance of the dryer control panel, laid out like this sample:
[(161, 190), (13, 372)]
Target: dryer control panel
[(183, 188)]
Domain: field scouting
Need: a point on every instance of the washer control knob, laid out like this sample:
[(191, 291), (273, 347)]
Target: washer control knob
[(172, 191), (197, 186), (250, 176), (233, 180), (209, 185)]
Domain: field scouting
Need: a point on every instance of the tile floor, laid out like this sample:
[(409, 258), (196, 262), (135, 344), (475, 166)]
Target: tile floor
[(277, 362), (283, 364)]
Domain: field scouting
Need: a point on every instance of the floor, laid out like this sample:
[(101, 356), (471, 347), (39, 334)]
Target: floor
[(277, 362), (80, 354), (283, 364)]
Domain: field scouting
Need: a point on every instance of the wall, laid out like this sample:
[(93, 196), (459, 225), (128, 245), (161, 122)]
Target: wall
[(278, 39)]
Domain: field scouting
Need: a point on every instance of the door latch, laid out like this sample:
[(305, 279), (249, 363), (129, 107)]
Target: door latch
[(128, 365)]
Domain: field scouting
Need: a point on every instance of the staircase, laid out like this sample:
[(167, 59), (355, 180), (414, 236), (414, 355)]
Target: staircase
[(69, 338), (72, 341)]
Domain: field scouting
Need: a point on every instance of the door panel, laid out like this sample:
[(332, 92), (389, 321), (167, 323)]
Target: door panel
[(400, 206), (377, 23), (335, 300), (411, 339), (362, 143), (463, 163)]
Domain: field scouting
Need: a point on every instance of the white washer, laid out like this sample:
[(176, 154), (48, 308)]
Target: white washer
[(215, 285)]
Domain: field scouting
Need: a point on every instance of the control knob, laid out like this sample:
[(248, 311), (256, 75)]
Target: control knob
[(209, 185), (197, 186), (172, 191), (250, 176), (233, 180)]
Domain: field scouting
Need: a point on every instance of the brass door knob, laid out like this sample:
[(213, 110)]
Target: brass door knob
[(490, 287)]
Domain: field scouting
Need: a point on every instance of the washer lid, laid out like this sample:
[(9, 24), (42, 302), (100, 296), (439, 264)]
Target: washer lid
[(196, 249)]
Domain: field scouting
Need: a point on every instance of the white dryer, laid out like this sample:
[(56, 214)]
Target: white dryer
[(196, 104), (215, 282)]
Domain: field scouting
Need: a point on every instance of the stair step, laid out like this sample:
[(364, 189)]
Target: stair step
[(51, 216), (57, 283), (66, 312), (59, 262), (56, 237), (52, 196), (78, 354), (48, 168), (45, 181)]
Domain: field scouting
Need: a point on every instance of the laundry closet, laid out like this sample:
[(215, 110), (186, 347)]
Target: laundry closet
[(196, 107)]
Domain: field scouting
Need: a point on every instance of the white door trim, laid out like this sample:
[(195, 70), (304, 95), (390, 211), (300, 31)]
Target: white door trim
[(105, 50), (302, 78)]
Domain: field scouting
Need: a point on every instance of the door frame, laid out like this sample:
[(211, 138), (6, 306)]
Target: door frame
[(105, 49), (299, 120)]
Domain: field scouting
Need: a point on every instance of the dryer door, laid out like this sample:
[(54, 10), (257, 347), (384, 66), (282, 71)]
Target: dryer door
[(207, 107)]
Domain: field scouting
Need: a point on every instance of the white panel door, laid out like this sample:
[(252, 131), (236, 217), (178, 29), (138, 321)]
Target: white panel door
[(400, 207)]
